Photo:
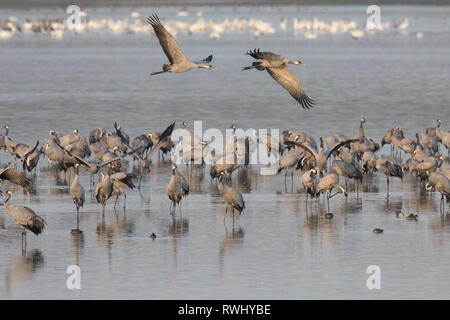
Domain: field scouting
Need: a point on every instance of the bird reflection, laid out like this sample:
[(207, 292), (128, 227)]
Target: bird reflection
[(107, 233), (231, 240), (77, 247), (178, 228), (195, 176), (23, 268), (245, 180), (392, 204)]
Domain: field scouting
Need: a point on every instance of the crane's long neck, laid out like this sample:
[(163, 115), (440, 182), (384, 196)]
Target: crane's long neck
[(361, 130), (77, 177)]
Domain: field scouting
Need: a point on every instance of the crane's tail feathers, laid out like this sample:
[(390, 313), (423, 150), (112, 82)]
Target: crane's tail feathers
[(37, 225)]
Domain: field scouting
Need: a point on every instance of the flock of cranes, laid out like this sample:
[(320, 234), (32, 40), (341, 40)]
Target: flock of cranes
[(354, 160)]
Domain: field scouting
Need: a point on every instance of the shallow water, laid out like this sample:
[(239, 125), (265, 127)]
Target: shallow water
[(278, 249)]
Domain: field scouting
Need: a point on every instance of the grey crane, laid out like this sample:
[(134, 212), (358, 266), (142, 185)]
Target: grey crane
[(309, 182), (31, 160), (276, 66), (93, 168), (96, 134), (104, 190), (288, 163), (111, 140), (327, 184), (122, 135), (98, 150), (143, 142), (368, 161), (29, 156), (182, 182), (24, 217), (69, 138), (77, 192), (160, 143), (428, 142), (10, 146), (444, 136), (2, 141), (232, 198), (347, 170), (166, 144), (390, 169), (178, 62), (173, 191), (122, 181), (19, 150), (441, 183), (14, 176), (388, 138), (426, 167), (322, 156)]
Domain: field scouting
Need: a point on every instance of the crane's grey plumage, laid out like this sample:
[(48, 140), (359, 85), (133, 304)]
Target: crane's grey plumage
[(182, 182), (444, 136), (78, 196), (122, 135), (288, 163), (122, 181), (322, 156), (390, 169), (96, 134), (104, 190), (157, 145), (276, 66), (94, 168), (173, 191), (178, 62), (309, 182), (14, 176), (441, 183), (232, 198), (327, 184), (24, 217)]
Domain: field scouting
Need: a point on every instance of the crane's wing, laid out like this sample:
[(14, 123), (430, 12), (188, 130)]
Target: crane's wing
[(167, 133), (119, 133), (25, 157), (289, 81), (15, 176), (394, 169), (167, 41), (79, 159), (256, 53), (339, 145), (303, 146)]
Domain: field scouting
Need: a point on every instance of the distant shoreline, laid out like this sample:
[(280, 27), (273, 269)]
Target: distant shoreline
[(23, 4)]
